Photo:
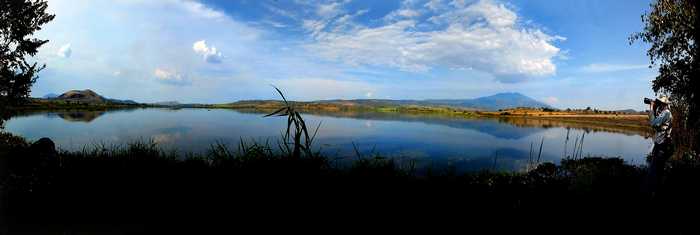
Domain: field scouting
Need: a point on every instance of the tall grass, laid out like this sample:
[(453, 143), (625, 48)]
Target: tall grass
[(292, 143), (140, 181)]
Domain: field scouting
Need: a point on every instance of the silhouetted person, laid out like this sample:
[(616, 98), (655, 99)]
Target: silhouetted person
[(660, 119)]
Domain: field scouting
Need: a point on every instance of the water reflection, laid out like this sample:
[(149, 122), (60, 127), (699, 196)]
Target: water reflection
[(170, 135), (487, 126), (77, 116), (519, 127), (462, 144), (553, 123)]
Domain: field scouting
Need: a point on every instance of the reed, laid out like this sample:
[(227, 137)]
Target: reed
[(292, 143)]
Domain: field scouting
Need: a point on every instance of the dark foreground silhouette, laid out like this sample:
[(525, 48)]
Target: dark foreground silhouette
[(139, 188)]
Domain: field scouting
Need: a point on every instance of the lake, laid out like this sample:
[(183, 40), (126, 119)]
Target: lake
[(465, 144)]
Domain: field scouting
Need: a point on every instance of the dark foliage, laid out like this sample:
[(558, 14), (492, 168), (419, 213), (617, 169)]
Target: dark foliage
[(670, 29), (139, 187), (19, 19)]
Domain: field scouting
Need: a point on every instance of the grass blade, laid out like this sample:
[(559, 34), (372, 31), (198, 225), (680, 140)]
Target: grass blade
[(276, 112)]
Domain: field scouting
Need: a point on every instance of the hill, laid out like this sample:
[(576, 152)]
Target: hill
[(494, 102), (84, 96), (89, 96)]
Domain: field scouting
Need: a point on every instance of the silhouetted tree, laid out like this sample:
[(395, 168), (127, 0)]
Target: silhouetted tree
[(670, 29), (19, 19)]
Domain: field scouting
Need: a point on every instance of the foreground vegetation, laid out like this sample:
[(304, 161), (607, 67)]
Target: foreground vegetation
[(140, 184), (139, 187)]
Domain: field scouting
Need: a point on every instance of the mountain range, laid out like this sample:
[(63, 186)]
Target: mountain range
[(493, 102)]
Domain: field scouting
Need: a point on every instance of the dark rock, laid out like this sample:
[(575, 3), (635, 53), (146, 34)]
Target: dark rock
[(44, 150), (43, 145)]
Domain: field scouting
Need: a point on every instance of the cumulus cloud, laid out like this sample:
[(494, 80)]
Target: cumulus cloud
[(170, 77), (484, 35), (210, 54), (601, 68), (65, 51)]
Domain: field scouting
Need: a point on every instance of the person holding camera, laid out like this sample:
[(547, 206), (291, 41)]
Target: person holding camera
[(660, 119)]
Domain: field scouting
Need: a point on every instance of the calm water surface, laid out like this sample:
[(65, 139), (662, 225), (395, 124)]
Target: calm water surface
[(467, 144)]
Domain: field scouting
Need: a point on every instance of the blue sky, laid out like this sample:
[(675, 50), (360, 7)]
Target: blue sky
[(566, 53)]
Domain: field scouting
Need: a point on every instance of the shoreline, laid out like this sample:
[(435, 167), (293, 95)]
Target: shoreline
[(618, 123), (611, 121)]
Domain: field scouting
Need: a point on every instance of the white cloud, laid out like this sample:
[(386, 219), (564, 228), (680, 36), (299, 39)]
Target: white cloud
[(408, 13), (163, 74), (274, 23), (170, 77), (601, 68), (482, 35), (280, 11), (433, 4), (201, 10), (551, 100), (65, 51), (210, 54), (328, 10), (369, 94), (314, 26)]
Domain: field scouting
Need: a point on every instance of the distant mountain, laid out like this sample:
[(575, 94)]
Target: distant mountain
[(122, 101), (627, 111), (168, 103), (494, 102), (89, 96), (50, 96)]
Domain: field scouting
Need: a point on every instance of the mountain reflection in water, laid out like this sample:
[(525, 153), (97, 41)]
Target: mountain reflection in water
[(461, 143)]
